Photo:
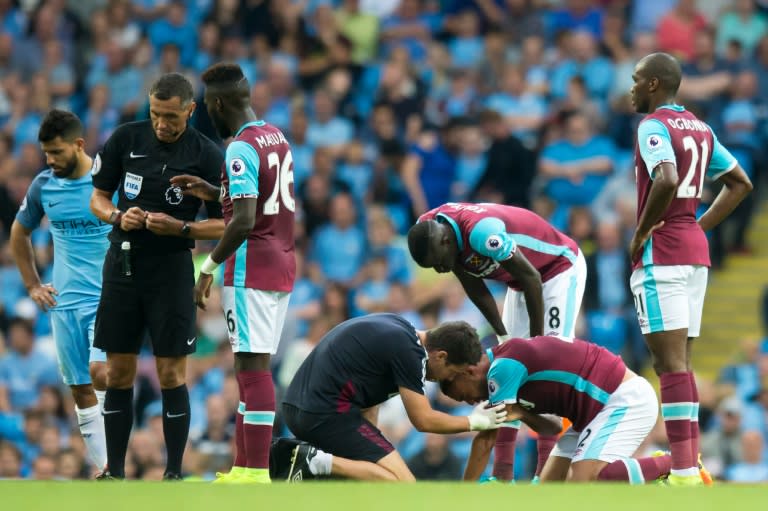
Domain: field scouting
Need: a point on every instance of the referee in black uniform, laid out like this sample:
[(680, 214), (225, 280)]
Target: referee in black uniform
[(148, 270)]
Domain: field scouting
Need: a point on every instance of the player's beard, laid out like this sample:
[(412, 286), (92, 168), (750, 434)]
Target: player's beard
[(68, 169)]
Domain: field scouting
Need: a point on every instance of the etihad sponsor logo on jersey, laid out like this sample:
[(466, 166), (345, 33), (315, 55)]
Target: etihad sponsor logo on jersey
[(270, 139), (479, 266)]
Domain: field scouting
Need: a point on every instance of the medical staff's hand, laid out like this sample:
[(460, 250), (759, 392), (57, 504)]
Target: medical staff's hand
[(483, 418)]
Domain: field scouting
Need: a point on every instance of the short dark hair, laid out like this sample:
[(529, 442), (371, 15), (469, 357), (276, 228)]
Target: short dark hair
[(419, 237), (458, 339), (223, 73), (60, 123), (172, 85)]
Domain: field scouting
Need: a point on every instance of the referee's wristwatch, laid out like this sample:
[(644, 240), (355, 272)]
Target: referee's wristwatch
[(185, 230), (115, 217)]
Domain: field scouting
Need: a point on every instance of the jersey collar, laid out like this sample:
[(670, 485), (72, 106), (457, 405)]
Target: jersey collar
[(676, 108), (450, 221), (248, 125)]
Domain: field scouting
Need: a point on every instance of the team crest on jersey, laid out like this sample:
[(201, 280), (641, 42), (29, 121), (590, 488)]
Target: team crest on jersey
[(174, 195), (236, 167), (480, 266), (132, 185), (654, 142), (96, 168)]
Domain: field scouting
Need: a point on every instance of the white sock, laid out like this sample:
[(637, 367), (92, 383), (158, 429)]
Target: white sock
[(321, 464), (92, 429), (100, 396)]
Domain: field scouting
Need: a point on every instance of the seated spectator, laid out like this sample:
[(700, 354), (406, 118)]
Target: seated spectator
[(676, 29), (436, 462), (113, 69), (43, 468), (381, 240), (471, 162), (338, 250), (409, 27), (753, 469), (742, 24), (100, 120), (326, 128), (305, 300), (355, 171), (175, 28), (10, 461), (373, 293), (756, 411), (523, 111), (24, 369), (583, 60), (361, 28), (466, 47), (301, 348), (400, 302), (721, 446), (215, 444), (576, 167)]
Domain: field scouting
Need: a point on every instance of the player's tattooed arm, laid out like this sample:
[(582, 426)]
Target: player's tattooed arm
[(478, 292), (737, 186), (541, 424), (529, 279), (482, 445)]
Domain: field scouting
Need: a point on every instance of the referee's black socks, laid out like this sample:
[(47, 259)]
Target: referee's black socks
[(118, 419), (176, 417)]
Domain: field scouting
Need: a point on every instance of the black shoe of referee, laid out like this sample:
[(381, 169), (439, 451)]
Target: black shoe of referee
[(106, 476), (170, 476)]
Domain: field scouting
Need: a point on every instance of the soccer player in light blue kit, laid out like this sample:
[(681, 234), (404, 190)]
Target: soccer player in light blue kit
[(62, 193)]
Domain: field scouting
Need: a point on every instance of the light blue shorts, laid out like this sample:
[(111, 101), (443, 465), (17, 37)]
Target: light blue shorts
[(73, 333)]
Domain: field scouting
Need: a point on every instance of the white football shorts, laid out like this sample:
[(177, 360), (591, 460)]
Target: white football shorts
[(562, 301), (255, 318), (669, 297), (618, 430)]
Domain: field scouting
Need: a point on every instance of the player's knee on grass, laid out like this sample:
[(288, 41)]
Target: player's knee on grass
[(171, 371), (585, 470), (394, 464)]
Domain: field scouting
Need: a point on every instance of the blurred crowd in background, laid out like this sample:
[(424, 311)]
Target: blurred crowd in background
[(392, 107)]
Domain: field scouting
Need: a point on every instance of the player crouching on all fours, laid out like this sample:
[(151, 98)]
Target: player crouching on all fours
[(612, 409)]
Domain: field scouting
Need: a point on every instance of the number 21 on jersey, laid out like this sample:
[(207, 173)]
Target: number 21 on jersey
[(699, 159), (283, 178)]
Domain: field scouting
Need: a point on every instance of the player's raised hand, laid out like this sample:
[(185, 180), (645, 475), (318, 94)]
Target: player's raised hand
[(203, 289), (484, 417), (43, 296), (133, 219), (163, 225), (639, 239), (196, 187)]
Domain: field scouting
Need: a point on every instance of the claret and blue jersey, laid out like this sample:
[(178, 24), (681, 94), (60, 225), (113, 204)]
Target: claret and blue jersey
[(488, 234)]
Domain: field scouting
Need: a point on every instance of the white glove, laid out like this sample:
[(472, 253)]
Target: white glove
[(483, 418)]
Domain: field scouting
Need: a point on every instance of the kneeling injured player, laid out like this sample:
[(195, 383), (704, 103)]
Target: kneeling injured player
[(612, 409), (332, 402)]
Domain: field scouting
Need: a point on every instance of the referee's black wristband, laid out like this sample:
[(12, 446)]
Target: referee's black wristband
[(115, 217)]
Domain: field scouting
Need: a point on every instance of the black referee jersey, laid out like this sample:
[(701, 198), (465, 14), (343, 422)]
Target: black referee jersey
[(136, 164)]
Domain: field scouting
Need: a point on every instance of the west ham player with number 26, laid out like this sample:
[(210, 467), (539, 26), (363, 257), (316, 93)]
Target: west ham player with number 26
[(258, 248), (670, 255), (544, 269)]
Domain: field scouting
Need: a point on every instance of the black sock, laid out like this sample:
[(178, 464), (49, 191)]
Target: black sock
[(118, 420), (175, 426)]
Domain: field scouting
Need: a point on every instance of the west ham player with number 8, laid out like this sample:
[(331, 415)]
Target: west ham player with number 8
[(544, 269), (670, 255), (258, 248)]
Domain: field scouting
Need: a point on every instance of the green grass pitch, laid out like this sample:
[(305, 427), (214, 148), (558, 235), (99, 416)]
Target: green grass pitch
[(145, 496)]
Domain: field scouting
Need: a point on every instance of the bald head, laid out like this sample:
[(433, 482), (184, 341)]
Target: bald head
[(665, 68), (657, 77)]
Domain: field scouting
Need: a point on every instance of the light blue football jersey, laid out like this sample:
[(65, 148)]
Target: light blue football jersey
[(79, 238)]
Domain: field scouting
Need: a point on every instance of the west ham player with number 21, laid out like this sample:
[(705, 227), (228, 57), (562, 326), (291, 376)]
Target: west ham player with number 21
[(258, 248), (669, 250), (543, 268)]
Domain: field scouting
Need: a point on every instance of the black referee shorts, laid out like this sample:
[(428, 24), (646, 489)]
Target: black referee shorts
[(157, 296), (348, 435)]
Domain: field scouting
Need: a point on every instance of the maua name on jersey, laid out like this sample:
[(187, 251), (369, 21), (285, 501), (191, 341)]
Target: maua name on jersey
[(687, 124), (270, 139)]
